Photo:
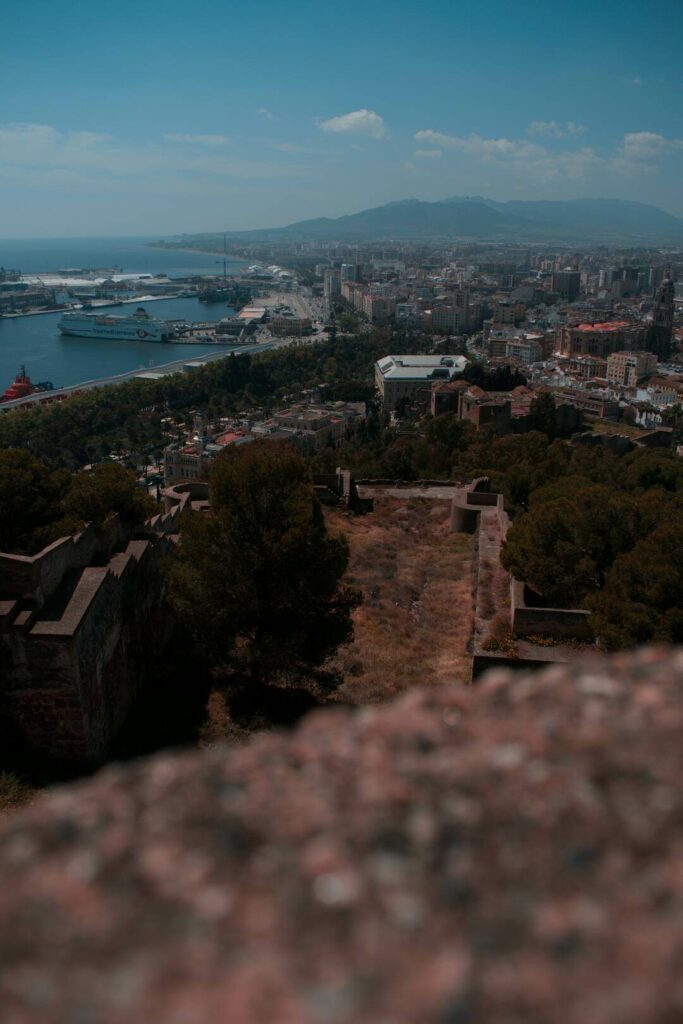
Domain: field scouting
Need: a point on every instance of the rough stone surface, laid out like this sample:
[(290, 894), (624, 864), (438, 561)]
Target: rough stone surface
[(510, 852)]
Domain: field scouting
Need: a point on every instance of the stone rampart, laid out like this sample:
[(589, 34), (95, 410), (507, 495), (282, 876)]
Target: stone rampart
[(559, 622), (468, 503), (72, 664), (502, 618), (482, 498), (37, 577), (619, 444)]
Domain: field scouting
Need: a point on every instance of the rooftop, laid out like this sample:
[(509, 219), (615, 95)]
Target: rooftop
[(609, 325), (230, 437), (419, 367), (252, 313)]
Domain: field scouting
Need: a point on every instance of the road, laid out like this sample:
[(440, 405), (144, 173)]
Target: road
[(304, 306), (163, 370)]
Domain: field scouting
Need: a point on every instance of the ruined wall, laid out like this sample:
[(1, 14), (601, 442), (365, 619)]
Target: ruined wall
[(559, 622), (126, 629), (38, 576), (468, 503), (181, 495), (72, 670)]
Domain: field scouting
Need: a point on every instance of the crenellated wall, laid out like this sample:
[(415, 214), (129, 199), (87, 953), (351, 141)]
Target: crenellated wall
[(37, 577), (81, 623)]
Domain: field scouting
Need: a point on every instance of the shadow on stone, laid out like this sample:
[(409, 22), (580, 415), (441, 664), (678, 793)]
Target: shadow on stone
[(170, 707), (263, 707)]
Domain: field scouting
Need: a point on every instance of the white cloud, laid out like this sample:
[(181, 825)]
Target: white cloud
[(648, 146), (638, 153), (268, 114), (477, 145), (555, 130), (289, 147), (580, 163), (428, 135), (198, 140), (362, 122), (522, 157), (43, 144), (35, 150), (428, 154)]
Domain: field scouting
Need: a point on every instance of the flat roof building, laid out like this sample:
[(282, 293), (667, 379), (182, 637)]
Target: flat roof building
[(399, 377), (449, 318), (525, 350), (626, 368), (291, 326), (252, 314)]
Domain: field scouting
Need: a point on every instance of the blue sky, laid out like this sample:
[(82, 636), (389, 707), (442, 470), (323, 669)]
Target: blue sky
[(137, 118)]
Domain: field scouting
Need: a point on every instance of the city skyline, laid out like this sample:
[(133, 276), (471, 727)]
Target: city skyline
[(168, 120)]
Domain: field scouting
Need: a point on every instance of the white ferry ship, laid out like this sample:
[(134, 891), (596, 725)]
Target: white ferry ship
[(139, 327)]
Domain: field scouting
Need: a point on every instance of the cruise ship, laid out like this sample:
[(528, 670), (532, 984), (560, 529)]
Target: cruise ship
[(139, 327)]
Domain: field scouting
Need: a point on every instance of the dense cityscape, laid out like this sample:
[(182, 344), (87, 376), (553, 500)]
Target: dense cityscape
[(404, 364)]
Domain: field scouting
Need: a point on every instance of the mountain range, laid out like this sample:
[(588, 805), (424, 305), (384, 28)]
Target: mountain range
[(476, 218)]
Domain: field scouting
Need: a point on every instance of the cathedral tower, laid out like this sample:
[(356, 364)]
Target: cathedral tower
[(660, 335)]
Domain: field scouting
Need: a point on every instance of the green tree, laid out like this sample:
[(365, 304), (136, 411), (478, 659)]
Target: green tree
[(542, 413), (646, 468), (29, 500), (447, 430), (642, 601), (564, 545), (258, 580), (108, 488)]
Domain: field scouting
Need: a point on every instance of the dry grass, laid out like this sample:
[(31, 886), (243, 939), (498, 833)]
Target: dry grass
[(14, 792), (600, 426), (415, 621), (492, 619)]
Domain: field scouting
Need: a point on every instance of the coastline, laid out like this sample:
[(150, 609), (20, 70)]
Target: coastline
[(97, 304), (202, 252), (161, 370)]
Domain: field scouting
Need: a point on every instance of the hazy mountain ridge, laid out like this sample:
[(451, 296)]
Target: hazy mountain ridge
[(597, 220)]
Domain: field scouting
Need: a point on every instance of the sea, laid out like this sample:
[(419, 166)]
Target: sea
[(34, 341)]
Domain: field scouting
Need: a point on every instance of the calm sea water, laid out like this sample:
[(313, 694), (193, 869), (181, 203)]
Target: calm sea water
[(33, 256), (35, 341)]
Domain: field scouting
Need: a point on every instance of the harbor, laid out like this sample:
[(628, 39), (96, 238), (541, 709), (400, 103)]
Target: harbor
[(36, 342), (100, 330), (160, 370), (32, 338)]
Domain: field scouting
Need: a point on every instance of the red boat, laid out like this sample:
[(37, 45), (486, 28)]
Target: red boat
[(22, 387)]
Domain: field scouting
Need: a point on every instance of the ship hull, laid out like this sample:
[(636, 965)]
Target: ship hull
[(139, 334), (139, 327)]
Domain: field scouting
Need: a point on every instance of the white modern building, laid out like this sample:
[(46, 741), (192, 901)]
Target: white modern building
[(399, 377)]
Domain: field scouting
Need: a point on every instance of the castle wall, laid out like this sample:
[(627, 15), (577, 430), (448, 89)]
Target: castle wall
[(558, 622), (38, 576), (72, 671)]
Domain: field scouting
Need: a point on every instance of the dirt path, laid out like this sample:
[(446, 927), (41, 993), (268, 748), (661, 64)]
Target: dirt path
[(415, 574)]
